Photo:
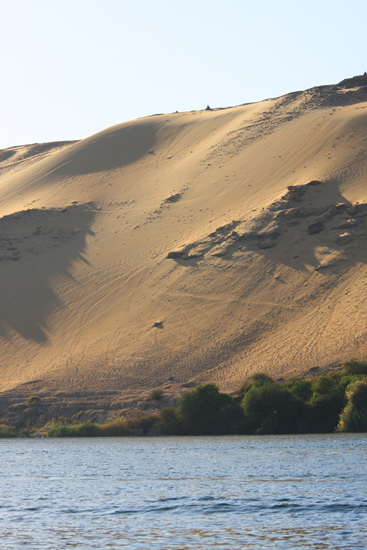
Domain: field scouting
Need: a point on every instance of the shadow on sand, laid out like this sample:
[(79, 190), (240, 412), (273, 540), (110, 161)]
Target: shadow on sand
[(110, 150), (38, 247)]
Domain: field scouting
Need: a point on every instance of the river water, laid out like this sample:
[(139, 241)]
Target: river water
[(177, 493)]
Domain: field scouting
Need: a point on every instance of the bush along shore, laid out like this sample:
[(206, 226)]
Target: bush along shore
[(331, 402)]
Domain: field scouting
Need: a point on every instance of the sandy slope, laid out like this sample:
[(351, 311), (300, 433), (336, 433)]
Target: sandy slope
[(169, 249)]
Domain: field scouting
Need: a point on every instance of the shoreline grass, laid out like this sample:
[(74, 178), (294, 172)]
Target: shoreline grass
[(7, 431)]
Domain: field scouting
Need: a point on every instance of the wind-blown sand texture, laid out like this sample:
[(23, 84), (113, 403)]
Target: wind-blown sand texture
[(190, 247)]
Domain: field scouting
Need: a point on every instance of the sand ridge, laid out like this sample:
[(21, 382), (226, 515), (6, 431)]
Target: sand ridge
[(188, 247)]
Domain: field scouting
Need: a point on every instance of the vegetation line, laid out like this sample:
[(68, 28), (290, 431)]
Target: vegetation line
[(324, 404)]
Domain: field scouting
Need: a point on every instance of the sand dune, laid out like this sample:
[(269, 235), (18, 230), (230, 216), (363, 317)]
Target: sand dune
[(188, 247)]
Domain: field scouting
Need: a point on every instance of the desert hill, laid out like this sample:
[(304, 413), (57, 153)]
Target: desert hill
[(189, 247)]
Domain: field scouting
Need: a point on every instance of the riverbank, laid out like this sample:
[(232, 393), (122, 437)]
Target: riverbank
[(319, 404)]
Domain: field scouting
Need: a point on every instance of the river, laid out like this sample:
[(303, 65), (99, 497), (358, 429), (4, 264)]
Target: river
[(258, 492)]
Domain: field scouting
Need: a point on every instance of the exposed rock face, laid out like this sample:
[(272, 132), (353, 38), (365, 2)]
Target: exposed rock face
[(294, 193), (267, 228)]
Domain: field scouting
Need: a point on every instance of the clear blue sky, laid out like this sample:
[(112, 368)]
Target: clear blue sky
[(70, 68)]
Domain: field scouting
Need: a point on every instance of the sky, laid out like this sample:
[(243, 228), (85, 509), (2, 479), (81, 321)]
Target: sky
[(71, 68)]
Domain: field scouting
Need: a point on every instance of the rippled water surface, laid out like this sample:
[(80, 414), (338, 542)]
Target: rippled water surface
[(177, 493)]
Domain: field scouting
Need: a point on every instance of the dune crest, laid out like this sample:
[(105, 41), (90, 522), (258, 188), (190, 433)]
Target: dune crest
[(189, 247)]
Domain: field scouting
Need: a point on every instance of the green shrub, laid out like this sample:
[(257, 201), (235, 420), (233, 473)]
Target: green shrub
[(354, 416), (169, 421), (141, 422), (259, 378), (156, 394), (272, 408), (302, 389), (353, 421), (324, 412), (346, 381), (114, 428), (357, 394), (324, 385), (336, 375), (354, 366), (206, 411)]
